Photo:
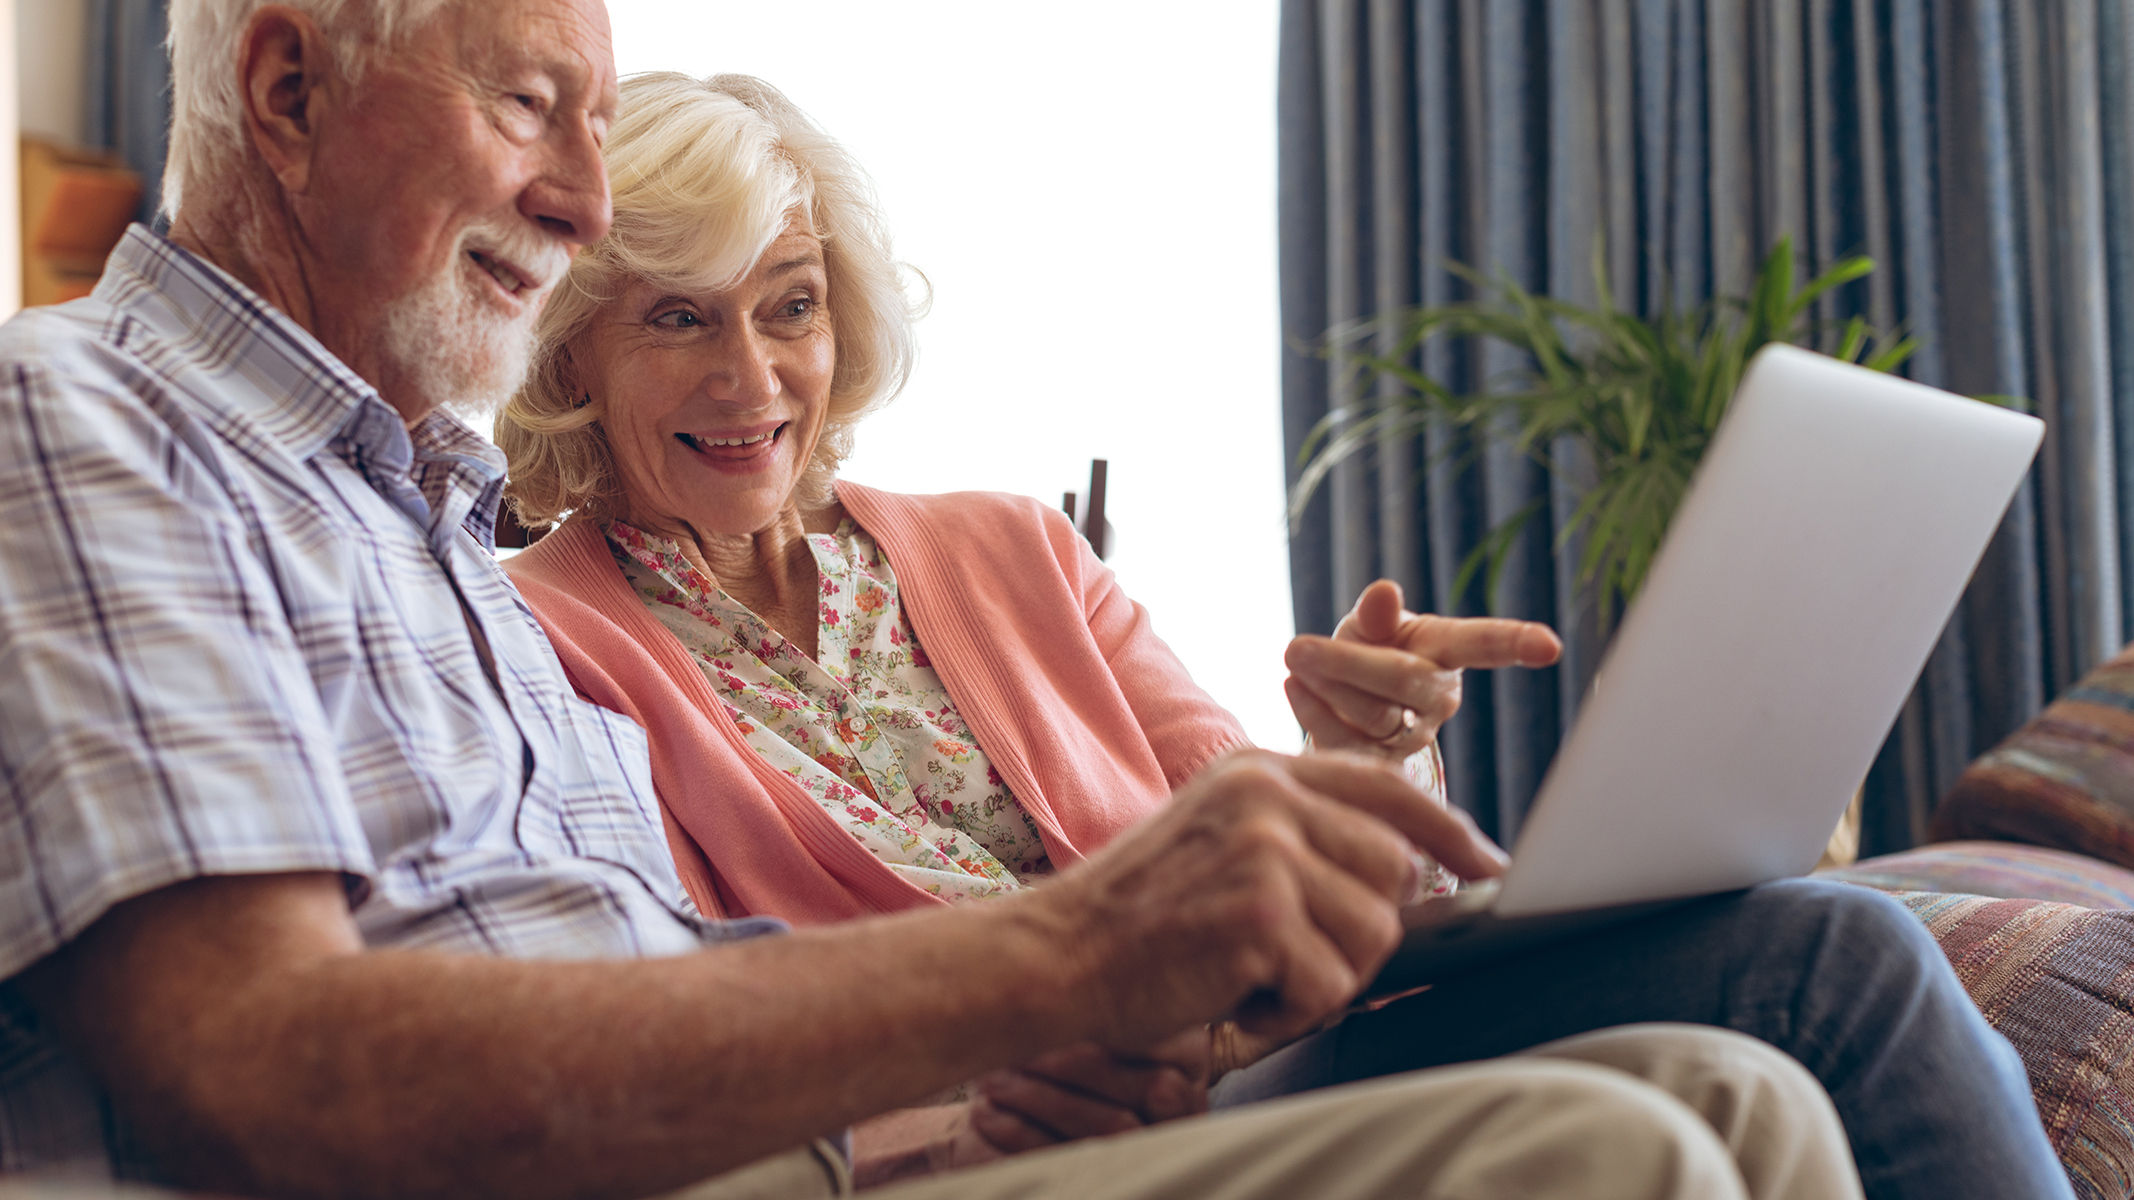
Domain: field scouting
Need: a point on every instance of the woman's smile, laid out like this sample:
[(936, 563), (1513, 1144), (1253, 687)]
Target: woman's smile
[(714, 399), (739, 452)]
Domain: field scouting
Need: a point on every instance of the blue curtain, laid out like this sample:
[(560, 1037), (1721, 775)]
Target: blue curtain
[(127, 89), (1979, 150)]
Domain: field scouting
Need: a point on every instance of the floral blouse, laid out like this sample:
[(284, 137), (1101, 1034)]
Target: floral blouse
[(865, 727), (1426, 770)]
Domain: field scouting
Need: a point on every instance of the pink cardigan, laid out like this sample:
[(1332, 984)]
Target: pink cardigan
[(1083, 710)]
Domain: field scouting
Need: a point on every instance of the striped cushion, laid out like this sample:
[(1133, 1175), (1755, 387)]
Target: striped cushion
[(2064, 780), (2058, 982), (2001, 869)]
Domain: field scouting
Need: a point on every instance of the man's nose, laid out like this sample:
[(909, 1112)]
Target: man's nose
[(570, 197)]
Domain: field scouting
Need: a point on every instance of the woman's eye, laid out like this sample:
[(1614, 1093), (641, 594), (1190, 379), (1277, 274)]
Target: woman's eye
[(679, 318), (800, 307)]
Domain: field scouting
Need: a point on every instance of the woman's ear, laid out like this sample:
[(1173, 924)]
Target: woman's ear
[(283, 67), (566, 370), (571, 378)]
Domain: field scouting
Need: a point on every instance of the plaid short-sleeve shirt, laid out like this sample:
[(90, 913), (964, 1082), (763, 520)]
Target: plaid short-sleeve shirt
[(237, 597)]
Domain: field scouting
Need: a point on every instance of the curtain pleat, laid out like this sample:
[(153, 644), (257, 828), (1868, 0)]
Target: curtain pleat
[(1452, 496), (1976, 149), (1576, 138), (1393, 184), (1301, 259), (126, 89)]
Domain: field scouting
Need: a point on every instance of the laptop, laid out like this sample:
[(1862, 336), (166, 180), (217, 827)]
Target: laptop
[(1821, 546)]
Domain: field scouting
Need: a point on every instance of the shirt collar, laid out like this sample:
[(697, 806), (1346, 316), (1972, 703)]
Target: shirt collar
[(460, 474), (273, 374)]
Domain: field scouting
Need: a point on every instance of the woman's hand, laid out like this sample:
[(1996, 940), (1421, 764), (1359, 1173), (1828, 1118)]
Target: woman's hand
[(1079, 1092), (1089, 1091), (1388, 678)]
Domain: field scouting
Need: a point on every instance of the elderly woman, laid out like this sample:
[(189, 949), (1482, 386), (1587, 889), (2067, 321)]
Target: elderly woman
[(860, 702)]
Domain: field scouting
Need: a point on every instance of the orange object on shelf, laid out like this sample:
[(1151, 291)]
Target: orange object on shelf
[(75, 207)]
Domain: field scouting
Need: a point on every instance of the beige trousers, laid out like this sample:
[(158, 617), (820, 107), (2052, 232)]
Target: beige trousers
[(1646, 1112)]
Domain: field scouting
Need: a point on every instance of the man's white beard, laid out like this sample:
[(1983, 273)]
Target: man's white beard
[(460, 353), (453, 343)]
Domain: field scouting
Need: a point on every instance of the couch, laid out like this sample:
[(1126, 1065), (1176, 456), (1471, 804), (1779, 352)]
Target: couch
[(2027, 882)]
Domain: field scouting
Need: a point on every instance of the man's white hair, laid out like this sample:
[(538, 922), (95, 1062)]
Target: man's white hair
[(207, 124)]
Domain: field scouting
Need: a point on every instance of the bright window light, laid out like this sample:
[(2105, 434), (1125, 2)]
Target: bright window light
[(1090, 189)]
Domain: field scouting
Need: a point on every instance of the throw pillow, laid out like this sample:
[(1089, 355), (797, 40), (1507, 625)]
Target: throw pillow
[(2065, 780)]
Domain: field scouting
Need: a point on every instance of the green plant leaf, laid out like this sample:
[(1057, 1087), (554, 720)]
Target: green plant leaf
[(1855, 340), (1893, 357), (1494, 551), (1841, 273), (1640, 394)]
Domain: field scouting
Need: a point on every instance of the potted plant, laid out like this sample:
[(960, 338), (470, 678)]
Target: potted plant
[(1641, 395)]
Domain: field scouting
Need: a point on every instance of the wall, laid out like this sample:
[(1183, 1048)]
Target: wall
[(11, 44), (48, 59)]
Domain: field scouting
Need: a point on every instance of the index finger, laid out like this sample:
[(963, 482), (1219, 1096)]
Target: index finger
[(1480, 642), (1187, 1050), (1438, 830)]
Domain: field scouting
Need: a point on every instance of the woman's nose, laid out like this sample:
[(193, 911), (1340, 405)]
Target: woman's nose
[(747, 373)]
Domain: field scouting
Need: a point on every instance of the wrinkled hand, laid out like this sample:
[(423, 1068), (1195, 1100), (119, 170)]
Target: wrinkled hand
[(1089, 1091), (1353, 691), (1079, 1092), (1232, 1049), (912, 1142), (1268, 890)]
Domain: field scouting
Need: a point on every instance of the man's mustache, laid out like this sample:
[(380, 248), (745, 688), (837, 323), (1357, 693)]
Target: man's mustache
[(521, 260)]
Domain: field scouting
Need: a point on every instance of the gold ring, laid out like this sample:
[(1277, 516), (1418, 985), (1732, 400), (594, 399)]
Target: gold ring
[(1408, 722)]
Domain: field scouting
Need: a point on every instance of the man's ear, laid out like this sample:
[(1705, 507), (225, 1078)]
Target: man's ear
[(283, 70)]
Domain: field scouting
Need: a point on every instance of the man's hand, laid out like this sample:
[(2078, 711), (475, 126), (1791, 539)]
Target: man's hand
[(1355, 690), (1268, 889), (257, 1047)]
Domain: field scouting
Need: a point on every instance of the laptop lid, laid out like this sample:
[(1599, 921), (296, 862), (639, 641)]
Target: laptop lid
[(1822, 544)]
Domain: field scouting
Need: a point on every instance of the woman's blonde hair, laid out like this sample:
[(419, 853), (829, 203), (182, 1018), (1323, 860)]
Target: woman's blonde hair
[(706, 174)]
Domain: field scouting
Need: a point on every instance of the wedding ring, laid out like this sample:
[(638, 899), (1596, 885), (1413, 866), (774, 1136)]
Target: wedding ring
[(1408, 722)]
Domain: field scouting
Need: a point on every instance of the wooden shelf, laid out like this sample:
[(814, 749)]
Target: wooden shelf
[(75, 206)]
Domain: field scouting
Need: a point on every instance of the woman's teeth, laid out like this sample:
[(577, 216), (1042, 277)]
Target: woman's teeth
[(698, 443)]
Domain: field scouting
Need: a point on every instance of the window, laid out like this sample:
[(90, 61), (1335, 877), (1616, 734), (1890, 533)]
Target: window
[(1090, 189)]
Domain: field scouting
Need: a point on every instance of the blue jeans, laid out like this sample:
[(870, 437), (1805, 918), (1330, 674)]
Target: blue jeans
[(1844, 979)]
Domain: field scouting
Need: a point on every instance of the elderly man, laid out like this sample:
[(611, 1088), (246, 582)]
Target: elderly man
[(319, 881)]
